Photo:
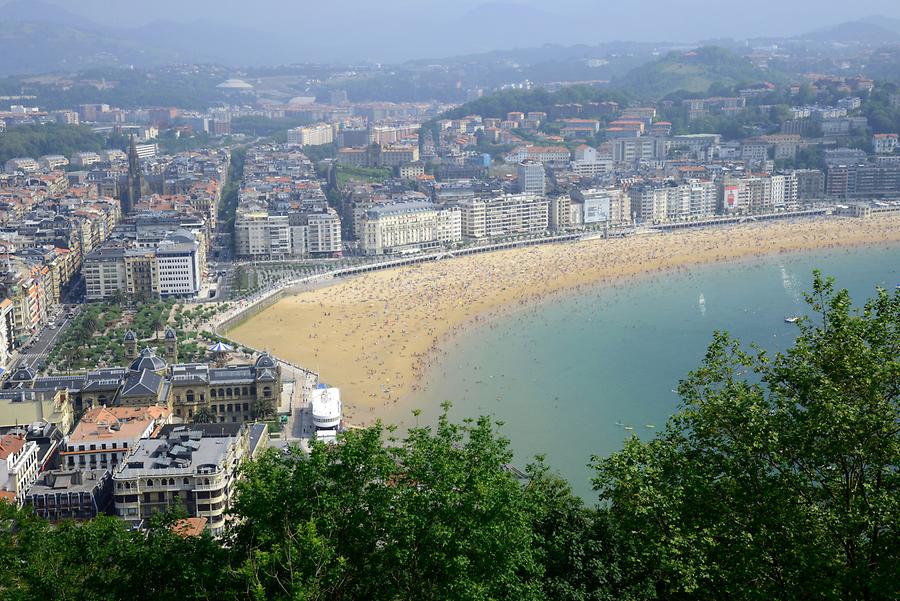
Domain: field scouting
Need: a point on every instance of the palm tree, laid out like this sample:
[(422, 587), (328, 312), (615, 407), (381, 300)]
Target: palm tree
[(204, 416), (157, 322), (263, 408)]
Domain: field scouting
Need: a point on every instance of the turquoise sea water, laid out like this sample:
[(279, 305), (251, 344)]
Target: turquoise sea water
[(561, 374)]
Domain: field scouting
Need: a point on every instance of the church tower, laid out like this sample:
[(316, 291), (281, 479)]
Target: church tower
[(134, 183), (171, 346), (130, 342)]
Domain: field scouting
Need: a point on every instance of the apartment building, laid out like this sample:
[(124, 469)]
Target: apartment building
[(105, 435), (693, 199), (52, 162), (634, 150), (263, 235), (884, 143), (595, 205), (504, 215), (71, 494), (178, 267), (21, 164), (85, 159), (174, 267), (311, 135), (752, 194), (531, 177), (552, 155), (19, 467), (649, 204), (192, 467)]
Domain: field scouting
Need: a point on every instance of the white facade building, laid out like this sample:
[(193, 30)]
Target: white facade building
[(504, 215), (23, 164), (178, 267), (19, 466), (311, 135), (388, 228), (326, 408), (261, 235), (52, 162), (884, 143), (531, 178)]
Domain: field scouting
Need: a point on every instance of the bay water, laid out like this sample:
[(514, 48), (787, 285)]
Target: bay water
[(575, 375)]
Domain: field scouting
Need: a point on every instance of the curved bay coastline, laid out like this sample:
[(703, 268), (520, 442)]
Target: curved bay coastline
[(376, 336)]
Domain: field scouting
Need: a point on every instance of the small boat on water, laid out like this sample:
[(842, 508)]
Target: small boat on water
[(792, 319)]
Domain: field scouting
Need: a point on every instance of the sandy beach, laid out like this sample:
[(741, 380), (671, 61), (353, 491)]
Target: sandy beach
[(375, 335)]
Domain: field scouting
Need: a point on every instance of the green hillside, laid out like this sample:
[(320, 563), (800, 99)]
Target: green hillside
[(692, 71), (500, 103)]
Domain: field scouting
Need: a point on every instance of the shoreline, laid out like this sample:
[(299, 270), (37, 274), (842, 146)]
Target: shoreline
[(376, 336)]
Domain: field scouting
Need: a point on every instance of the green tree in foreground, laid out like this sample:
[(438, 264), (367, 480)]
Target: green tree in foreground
[(102, 559), (778, 479), (434, 517)]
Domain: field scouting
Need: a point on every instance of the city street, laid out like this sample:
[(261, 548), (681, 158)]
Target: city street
[(43, 341)]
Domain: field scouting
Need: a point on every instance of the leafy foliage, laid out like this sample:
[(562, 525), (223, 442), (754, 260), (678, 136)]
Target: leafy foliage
[(101, 559), (498, 105), (782, 485), (693, 71), (37, 140)]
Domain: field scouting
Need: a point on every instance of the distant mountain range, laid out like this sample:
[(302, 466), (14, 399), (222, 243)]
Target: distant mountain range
[(869, 31), (37, 36)]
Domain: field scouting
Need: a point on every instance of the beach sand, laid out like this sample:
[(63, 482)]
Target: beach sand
[(375, 335)]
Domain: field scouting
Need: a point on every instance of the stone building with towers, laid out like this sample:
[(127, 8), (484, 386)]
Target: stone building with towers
[(231, 393)]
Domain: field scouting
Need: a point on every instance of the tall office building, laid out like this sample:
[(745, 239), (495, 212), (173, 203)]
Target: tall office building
[(531, 178)]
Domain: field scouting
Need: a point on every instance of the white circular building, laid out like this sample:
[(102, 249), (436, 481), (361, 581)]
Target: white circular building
[(237, 85), (326, 408)]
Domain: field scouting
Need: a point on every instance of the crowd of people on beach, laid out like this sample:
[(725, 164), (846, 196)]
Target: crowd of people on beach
[(377, 336)]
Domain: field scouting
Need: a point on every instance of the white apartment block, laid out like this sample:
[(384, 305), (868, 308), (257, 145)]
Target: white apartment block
[(531, 178), (747, 195), (473, 218), (704, 198), (694, 199), (146, 151), (261, 235), (649, 204), (178, 267), (393, 227), (193, 466), (23, 164), (448, 225), (311, 135), (104, 273), (85, 159), (884, 143), (173, 267), (323, 233), (542, 154), (504, 215), (19, 466), (52, 162)]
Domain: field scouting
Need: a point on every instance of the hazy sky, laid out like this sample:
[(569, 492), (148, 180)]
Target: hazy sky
[(383, 29)]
